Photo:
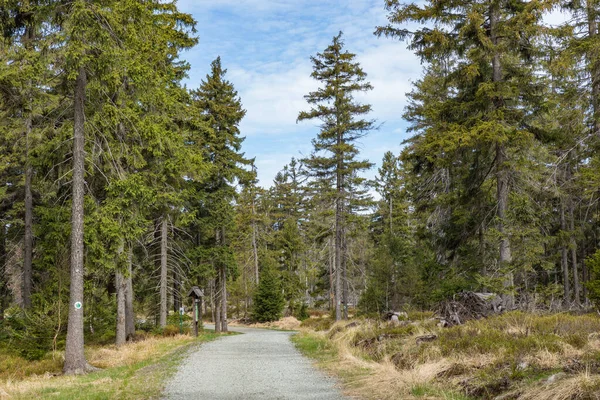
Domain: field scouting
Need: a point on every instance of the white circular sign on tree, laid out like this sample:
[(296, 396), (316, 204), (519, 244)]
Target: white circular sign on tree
[(78, 305)]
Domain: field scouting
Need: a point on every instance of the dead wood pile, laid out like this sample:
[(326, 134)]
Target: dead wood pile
[(466, 306)]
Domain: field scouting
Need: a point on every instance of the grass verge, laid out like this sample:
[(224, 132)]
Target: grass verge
[(134, 371)]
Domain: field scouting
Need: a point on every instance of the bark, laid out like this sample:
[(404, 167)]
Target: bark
[(584, 271), (338, 233), (212, 300), (344, 277), (176, 291), (163, 272), (223, 272), (255, 253), (224, 298), (573, 249), (75, 362), (218, 303), (129, 314), (254, 244), (121, 285), (331, 274), (564, 260)]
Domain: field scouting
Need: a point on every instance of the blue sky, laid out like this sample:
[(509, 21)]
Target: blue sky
[(266, 47)]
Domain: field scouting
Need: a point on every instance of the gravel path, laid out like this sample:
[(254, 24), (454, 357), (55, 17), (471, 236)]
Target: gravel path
[(260, 364)]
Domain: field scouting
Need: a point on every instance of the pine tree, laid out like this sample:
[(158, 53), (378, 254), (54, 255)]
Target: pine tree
[(334, 159)]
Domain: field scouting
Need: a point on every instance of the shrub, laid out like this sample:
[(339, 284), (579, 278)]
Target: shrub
[(30, 334), (302, 312)]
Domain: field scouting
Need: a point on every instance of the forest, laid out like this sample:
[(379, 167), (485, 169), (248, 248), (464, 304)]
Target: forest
[(121, 187)]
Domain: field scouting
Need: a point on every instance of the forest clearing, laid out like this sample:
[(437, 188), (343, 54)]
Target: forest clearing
[(413, 187)]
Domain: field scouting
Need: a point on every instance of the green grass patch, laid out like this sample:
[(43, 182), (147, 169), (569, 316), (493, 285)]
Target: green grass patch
[(315, 347)]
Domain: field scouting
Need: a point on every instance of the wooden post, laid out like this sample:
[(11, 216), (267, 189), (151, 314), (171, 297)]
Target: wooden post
[(200, 301), (195, 312), (196, 294)]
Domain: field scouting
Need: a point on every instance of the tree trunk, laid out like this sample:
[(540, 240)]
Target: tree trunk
[(163, 272), (331, 274), (224, 298), (129, 314), (564, 263), (573, 248), (584, 270), (28, 237), (176, 291), (339, 210), (254, 244), (218, 303), (344, 276), (75, 362), (212, 301), (121, 285)]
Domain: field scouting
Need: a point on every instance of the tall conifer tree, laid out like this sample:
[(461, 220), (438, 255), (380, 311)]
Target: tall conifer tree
[(221, 110), (488, 50), (334, 158)]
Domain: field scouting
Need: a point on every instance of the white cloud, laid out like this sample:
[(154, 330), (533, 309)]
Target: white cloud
[(266, 45)]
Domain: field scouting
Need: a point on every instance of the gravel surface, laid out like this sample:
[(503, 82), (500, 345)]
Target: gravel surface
[(260, 364)]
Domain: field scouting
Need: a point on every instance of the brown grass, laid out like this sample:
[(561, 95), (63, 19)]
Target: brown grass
[(582, 386), (511, 353), (18, 386), (130, 353), (286, 323)]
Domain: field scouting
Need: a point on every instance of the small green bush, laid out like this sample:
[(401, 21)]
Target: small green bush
[(302, 312)]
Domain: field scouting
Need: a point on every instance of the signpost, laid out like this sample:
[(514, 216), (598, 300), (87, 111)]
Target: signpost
[(181, 310), (196, 294)]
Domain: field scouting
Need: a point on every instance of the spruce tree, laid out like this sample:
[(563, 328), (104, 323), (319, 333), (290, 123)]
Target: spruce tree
[(487, 53), (268, 300), (218, 105), (334, 159)]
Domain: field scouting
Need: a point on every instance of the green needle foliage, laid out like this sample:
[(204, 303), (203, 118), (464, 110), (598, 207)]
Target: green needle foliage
[(268, 300), (334, 159)]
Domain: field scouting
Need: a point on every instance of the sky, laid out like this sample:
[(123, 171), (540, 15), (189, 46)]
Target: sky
[(266, 46)]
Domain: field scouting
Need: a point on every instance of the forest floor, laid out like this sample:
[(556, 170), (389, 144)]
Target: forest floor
[(259, 364), (136, 370), (511, 356)]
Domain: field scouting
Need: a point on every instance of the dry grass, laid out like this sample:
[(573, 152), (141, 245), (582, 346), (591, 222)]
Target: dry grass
[(582, 386), (512, 353), (286, 323), (131, 353), (127, 373)]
